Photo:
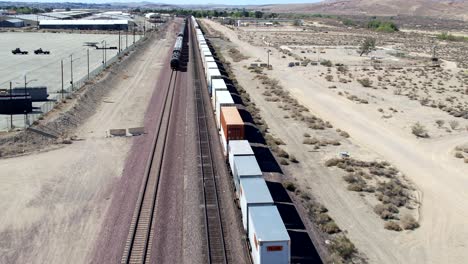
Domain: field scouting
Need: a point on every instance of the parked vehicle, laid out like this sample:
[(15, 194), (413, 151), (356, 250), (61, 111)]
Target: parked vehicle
[(40, 51), (19, 51)]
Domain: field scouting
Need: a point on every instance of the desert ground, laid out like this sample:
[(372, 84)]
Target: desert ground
[(54, 201), (403, 122)]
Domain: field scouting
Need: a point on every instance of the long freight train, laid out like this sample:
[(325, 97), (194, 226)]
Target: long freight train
[(267, 235), (177, 51)]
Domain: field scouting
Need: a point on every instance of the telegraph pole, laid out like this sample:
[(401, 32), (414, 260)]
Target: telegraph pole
[(126, 38), (61, 63), (71, 71), (119, 42), (88, 62), (11, 100)]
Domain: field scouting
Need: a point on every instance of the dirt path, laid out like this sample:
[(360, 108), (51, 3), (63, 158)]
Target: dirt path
[(443, 235), (53, 203)]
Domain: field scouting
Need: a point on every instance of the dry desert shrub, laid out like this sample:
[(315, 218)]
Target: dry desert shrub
[(365, 82), (343, 246), (344, 134), (392, 225), (409, 223), (454, 124), (289, 186), (440, 122), (419, 130), (459, 155), (293, 159)]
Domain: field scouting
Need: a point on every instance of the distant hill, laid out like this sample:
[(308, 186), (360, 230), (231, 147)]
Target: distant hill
[(452, 9)]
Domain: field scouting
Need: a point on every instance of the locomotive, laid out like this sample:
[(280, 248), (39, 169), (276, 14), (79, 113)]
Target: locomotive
[(177, 51)]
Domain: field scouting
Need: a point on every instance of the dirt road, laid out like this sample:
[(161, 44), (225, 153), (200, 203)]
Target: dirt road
[(53, 203), (443, 235)]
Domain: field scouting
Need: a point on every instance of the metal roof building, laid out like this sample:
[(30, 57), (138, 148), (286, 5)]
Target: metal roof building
[(85, 24), (12, 23)]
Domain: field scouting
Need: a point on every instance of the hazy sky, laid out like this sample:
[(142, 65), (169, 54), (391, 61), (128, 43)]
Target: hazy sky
[(227, 2)]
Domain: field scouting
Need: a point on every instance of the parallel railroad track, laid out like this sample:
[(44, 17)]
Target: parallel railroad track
[(138, 246)]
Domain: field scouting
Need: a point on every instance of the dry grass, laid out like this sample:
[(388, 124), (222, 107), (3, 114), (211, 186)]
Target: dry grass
[(236, 55)]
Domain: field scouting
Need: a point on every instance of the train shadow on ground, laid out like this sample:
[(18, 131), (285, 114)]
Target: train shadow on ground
[(302, 248), (266, 160), (252, 134)]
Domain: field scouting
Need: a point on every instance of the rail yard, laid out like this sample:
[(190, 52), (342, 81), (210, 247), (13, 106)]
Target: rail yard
[(231, 135)]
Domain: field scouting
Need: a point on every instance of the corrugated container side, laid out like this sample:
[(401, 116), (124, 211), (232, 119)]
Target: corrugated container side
[(253, 192), (208, 59), (239, 148), (232, 123), (217, 85), (212, 74), (224, 99), (265, 251)]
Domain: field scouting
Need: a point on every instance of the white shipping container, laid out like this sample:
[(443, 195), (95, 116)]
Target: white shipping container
[(210, 65), (204, 47), (268, 236), (253, 192), (206, 54), (245, 167), (212, 74), (223, 98), (208, 59), (239, 148), (217, 85)]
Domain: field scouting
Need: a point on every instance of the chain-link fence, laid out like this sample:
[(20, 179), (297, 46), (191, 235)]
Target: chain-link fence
[(65, 75)]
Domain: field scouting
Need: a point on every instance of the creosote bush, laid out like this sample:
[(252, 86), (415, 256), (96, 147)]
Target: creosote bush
[(409, 223), (419, 130), (289, 186), (365, 82), (343, 246), (391, 225)]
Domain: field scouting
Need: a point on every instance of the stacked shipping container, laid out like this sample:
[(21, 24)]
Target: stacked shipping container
[(268, 237)]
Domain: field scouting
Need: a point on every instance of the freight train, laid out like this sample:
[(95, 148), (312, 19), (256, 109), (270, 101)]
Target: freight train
[(267, 235), (177, 51)]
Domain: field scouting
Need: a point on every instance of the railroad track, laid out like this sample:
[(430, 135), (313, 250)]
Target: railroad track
[(138, 246), (216, 246)]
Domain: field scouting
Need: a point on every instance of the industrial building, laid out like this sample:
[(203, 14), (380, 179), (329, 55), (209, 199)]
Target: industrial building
[(85, 24), (12, 23)]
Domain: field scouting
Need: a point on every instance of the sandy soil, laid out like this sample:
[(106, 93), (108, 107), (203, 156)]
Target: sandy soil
[(429, 163), (54, 202)]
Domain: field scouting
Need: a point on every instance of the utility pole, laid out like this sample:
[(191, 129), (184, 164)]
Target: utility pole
[(61, 63), (133, 34), (268, 60), (11, 100), (119, 42), (71, 71), (126, 38), (104, 53), (88, 62)]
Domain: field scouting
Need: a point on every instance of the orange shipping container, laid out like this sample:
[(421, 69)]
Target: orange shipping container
[(232, 124)]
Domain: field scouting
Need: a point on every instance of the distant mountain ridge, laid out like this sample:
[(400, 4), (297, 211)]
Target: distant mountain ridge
[(452, 9)]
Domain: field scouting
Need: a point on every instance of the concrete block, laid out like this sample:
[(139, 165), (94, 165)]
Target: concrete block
[(253, 64), (263, 65), (135, 131), (118, 132)]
